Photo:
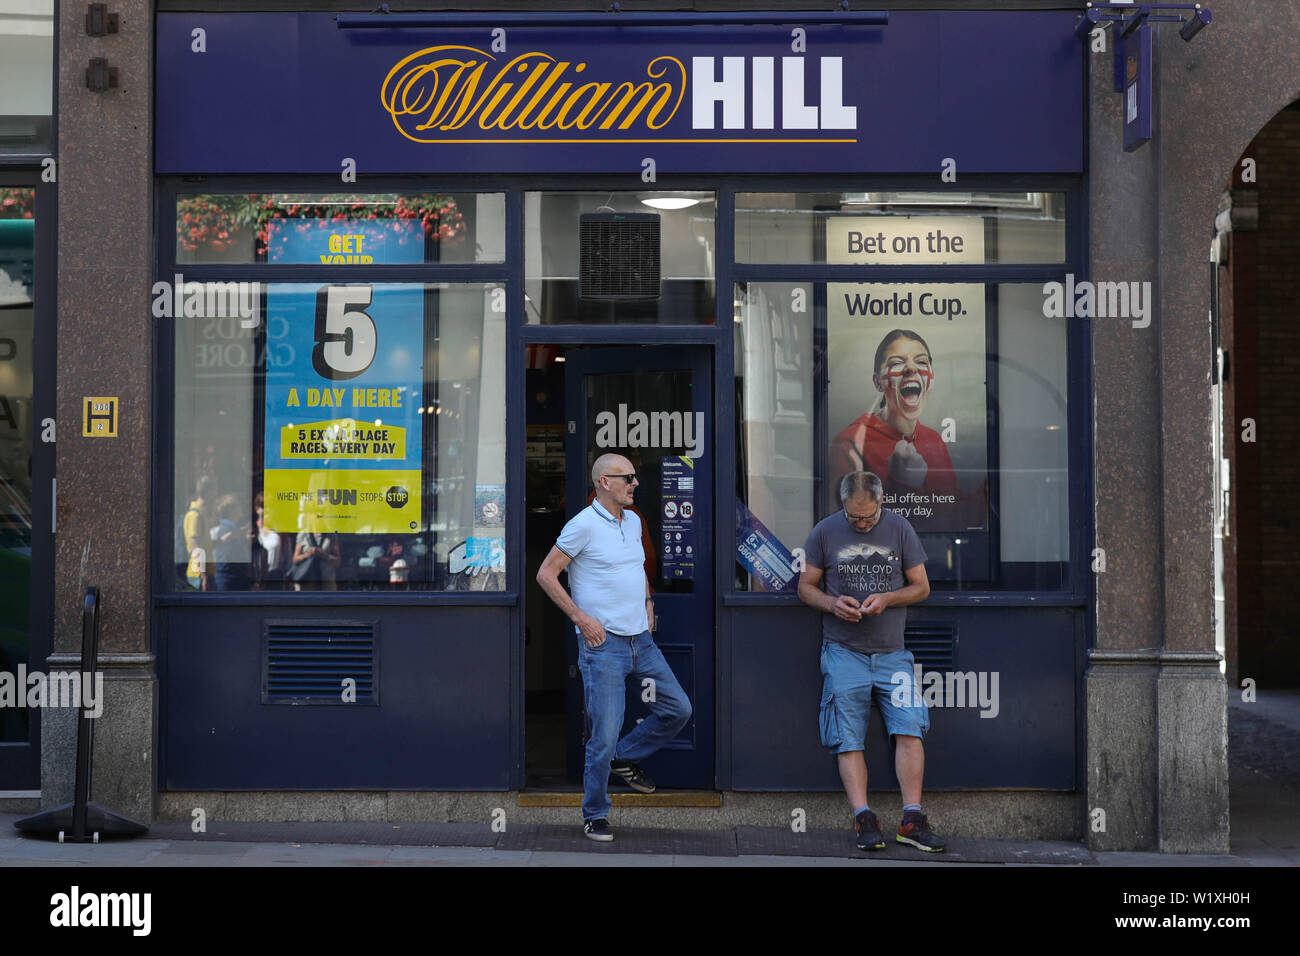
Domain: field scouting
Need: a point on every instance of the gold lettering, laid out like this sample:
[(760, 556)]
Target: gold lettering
[(647, 91), (443, 88), (554, 76), (600, 89), (455, 91), (534, 69), (561, 92)]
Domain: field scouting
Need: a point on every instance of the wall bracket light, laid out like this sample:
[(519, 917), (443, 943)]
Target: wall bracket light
[(1129, 16), (1133, 40)]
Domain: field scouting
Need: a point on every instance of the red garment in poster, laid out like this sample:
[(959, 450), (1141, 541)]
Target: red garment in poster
[(868, 444)]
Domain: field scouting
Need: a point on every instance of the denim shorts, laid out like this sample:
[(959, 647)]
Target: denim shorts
[(849, 682)]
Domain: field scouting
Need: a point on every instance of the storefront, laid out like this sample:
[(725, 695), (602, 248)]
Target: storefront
[(28, 210), (410, 281)]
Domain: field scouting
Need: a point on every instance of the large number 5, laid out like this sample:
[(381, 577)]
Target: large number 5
[(346, 336)]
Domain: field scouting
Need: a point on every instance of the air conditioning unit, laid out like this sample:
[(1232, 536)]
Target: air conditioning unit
[(619, 258)]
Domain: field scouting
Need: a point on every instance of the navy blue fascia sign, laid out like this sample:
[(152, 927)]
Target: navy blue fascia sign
[(994, 91)]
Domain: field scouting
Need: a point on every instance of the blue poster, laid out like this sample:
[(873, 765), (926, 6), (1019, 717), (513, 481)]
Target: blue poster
[(345, 241), (343, 437), (762, 554)]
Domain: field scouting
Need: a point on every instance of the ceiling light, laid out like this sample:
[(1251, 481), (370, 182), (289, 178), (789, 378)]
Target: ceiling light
[(669, 202)]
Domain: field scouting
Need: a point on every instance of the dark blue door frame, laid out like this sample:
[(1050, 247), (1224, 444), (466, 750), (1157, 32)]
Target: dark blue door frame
[(20, 762), (685, 632)]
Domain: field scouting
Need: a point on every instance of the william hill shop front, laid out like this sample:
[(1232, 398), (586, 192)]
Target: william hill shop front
[(417, 273)]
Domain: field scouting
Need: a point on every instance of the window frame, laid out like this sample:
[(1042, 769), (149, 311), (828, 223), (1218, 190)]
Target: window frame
[(424, 274), (1077, 588)]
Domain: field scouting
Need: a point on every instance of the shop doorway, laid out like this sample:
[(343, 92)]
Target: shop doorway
[(654, 406), (26, 473)]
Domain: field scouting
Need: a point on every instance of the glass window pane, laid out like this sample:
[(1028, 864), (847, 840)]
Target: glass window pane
[(648, 257), (26, 75), (339, 436), (775, 437), (907, 398), (897, 228), (1033, 438), (17, 302), (954, 394), (341, 229)]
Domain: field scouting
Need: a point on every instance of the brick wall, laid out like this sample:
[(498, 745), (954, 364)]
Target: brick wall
[(1265, 385)]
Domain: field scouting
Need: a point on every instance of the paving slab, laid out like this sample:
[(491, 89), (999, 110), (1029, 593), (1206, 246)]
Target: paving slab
[(376, 834), (638, 840), (774, 841)]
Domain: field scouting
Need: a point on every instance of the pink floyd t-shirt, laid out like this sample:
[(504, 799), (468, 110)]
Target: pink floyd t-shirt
[(859, 564)]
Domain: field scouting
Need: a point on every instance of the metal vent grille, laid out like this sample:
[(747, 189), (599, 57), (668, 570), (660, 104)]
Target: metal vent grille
[(933, 645), (619, 255), (307, 662)]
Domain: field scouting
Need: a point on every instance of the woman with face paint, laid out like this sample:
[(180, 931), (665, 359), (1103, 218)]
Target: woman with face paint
[(890, 440)]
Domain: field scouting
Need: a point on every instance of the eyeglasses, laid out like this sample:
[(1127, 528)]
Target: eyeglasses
[(631, 478), (858, 519)]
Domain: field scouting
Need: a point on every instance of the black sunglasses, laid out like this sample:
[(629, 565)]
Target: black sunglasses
[(629, 478)]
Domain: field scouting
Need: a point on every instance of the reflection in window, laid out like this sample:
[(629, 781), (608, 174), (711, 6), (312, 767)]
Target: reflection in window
[(894, 228), (340, 229), (17, 302), (611, 277), (774, 443), (342, 436), (965, 419), (26, 76)]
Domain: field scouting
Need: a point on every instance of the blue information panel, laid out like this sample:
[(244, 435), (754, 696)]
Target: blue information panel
[(677, 516)]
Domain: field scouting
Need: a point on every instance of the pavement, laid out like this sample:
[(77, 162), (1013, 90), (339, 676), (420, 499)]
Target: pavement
[(1264, 794)]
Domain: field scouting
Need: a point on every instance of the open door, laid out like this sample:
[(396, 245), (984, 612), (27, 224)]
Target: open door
[(654, 405)]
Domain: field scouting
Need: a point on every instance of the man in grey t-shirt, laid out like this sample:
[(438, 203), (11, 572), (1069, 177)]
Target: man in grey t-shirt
[(863, 566)]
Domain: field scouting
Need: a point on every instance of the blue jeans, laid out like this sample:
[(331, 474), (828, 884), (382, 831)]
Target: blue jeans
[(605, 670)]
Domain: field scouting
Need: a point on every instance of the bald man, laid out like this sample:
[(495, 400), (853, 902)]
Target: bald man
[(612, 614)]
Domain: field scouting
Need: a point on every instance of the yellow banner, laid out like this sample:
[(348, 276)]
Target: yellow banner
[(343, 438), (342, 501)]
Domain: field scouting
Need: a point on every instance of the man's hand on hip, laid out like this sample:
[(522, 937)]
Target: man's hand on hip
[(592, 631)]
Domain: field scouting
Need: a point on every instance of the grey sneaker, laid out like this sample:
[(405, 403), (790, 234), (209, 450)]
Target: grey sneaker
[(867, 828), (598, 830)]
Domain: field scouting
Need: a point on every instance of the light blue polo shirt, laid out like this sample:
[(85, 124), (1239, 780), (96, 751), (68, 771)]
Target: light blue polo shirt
[(607, 568)]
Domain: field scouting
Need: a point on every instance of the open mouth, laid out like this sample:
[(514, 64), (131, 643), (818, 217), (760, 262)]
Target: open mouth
[(910, 394)]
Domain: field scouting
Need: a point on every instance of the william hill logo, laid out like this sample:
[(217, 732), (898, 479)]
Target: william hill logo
[(455, 94)]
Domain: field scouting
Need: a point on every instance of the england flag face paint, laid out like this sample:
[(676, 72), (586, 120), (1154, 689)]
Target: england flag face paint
[(906, 378)]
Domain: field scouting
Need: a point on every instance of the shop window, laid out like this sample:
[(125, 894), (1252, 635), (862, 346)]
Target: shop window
[(26, 76), (776, 398), (17, 304), (955, 394), (900, 228), (620, 258), (304, 228), (338, 435)]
